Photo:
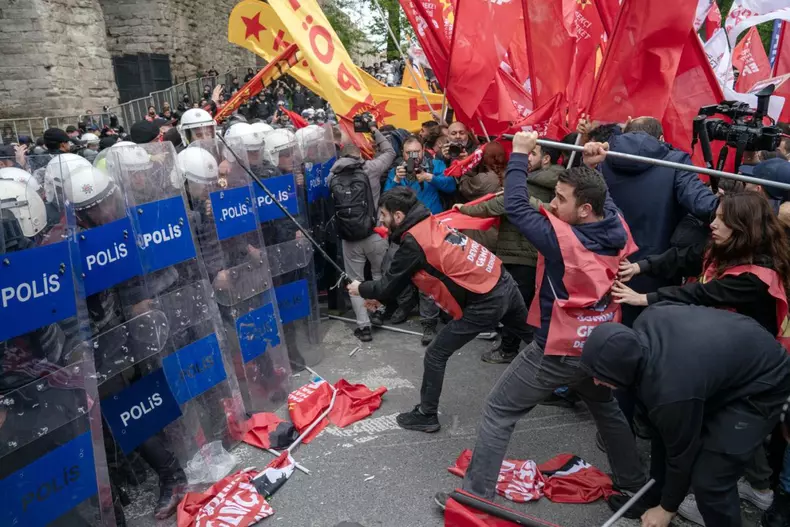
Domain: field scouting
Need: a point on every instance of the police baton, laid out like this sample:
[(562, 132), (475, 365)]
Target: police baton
[(663, 163), (343, 275)]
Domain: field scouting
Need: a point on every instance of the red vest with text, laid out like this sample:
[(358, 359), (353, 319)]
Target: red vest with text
[(588, 279), (775, 288), (464, 261)]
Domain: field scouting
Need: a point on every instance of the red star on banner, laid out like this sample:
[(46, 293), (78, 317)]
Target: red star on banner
[(379, 110), (254, 27)]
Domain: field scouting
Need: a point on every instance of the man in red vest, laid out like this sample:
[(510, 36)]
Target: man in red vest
[(581, 242), (464, 279)]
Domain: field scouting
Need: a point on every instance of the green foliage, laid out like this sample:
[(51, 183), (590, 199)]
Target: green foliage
[(353, 38)]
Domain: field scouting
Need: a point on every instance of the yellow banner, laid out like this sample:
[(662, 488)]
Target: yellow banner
[(254, 25), (409, 80)]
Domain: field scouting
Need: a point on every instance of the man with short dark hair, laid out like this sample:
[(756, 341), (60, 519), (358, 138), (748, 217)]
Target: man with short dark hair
[(462, 276), (427, 128), (777, 170), (581, 242), (649, 125)]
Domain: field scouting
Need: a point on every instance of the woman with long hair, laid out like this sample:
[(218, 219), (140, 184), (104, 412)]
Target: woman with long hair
[(745, 266)]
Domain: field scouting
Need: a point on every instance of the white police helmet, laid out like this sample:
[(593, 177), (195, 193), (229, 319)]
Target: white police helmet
[(198, 165), (20, 176), (281, 143), (126, 157), (86, 187), (247, 135), (90, 139), (58, 169), (309, 139), (261, 127), (26, 205), (194, 119)]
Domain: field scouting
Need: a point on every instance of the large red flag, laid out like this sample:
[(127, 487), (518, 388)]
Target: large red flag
[(695, 86), (483, 31), (608, 10), (782, 59), (642, 58), (546, 120), (589, 48), (750, 59)]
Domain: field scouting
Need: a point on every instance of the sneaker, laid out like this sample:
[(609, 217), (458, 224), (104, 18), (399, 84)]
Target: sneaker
[(487, 335), (440, 499), (778, 514), (761, 500), (497, 356), (171, 490), (418, 421), (399, 316), (428, 333), (689, 510), (376, 318), (616, 502), (364, 334)]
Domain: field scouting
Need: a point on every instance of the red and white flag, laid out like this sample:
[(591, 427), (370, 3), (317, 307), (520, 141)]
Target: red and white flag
[(750, 59), (231, 502), (717, 49)]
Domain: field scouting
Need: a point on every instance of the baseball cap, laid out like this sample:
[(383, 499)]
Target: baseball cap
[(56, 135), (144, 132), (776, 170)]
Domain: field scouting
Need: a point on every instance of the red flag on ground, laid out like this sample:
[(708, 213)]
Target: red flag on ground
[(695, 86), (570, 479), (458, 515), (297, 120), (266, 430), (231, 501), (750, 59), (563, 479), (641, 59), (353, 403)]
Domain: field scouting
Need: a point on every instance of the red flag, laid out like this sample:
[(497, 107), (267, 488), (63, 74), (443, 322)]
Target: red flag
[(782, 85), (297, 120), (750, 59), (457, 515), (608, 10), (354, 402), (266, 430), (782, 59), (459, 167), (546, 120), (589, 48), (641, 59), (483, 31), (518, 481), (306, 404), (695, 86), (712, 20), (570, 479), (232, 500)]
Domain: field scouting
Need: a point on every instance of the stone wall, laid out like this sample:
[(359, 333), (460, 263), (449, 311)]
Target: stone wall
[(53, 58), (192, 32)]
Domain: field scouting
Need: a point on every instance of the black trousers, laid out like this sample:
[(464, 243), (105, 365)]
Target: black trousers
[(502, 304), (524, 275)]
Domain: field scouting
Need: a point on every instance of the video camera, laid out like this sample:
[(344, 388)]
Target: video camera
[(746, 132), (362, 123)]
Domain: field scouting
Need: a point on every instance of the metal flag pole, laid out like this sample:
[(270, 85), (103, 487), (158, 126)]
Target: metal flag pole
[(573, 153), (285, 211), (408, 63), (617, 515), (667, 164)]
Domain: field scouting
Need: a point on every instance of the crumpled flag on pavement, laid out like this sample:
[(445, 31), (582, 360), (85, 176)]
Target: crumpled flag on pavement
[(565, 478), (232, 501)]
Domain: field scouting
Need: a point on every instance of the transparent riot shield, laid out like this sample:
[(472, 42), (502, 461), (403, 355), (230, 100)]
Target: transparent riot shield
[(53, 469), (166, 389), (282, 171), (230, 242)]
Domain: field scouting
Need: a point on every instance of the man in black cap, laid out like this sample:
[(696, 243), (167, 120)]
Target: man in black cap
[(712, 384), (144, 132), (776, 170), (57, 141)]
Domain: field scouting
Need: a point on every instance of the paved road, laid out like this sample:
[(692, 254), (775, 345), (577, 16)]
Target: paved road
[(408, 467)]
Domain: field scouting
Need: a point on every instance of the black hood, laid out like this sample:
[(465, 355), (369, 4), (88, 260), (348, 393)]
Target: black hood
[(614, 354), (417, 213)]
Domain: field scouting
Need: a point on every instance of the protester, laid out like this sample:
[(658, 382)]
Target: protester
[(777, 170), (464, 278), (712, 384), (461, 144), (428, 181), (582, 241), (488, 178), (355, 186)]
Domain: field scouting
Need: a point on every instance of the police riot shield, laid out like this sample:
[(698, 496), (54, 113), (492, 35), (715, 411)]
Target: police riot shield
[(166, 389), (53, 469), (230, 242), (282, 171)]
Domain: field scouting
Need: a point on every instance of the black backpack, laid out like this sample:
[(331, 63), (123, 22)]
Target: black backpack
[(355, 213)]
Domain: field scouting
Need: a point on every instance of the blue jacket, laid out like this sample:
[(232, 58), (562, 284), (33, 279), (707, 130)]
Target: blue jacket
[(429, 193), (606, 237)]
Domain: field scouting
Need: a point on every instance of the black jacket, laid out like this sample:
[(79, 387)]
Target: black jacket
[(409, 259), (744, 293), (706, 378)]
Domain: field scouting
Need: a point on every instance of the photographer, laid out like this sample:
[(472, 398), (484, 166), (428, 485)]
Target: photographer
[(355, 186)]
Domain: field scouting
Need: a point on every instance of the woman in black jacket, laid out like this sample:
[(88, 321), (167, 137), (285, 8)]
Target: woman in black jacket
[(746, 237)]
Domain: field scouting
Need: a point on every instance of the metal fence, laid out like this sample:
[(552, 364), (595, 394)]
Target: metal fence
[(126, 114)]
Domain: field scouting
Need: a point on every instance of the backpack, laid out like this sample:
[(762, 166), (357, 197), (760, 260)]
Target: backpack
[(355, 213)]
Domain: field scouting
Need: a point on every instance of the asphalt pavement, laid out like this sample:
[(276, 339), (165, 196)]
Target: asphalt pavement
[(378, 475)]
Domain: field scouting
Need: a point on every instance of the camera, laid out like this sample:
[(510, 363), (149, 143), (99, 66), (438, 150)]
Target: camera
[(454, 151), (413, 166), (746, 132), (362, 123)]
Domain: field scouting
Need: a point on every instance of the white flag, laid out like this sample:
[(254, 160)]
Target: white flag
[(720, 58), (747, 13), (702, 12)]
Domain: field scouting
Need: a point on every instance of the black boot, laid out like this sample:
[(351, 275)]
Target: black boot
[(778, 514), (172, 480)]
